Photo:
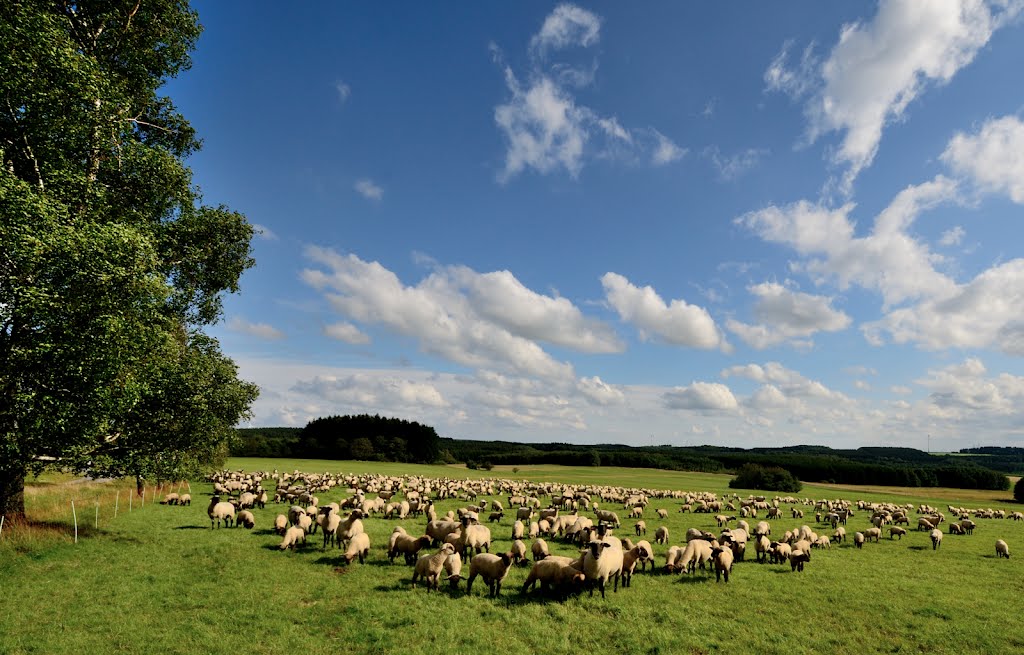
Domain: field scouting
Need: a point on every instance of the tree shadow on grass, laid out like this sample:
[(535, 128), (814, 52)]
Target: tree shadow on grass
[(191, 527), (917, 548)]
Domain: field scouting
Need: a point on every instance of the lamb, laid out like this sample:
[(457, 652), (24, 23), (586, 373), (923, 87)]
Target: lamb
[(523, 514), (1002, 549), (640, 527), (170, 499), (408, 546), (394, 536), (220, 511), (429, 567), (603, 560), (936, 536), (968, 526), (358, 546), (495, 517), (518, 552), (185, 499), (663, 514), (245, 518), (839, 535), (723, 558), (280, 524), (924, 524), (492, 568), (661, 535), (539, 548), (858, 539), (896, 531), (797, 559), (641, 552), (780, 552), (292, 537), (557, 573), (453, 567), (305, 523)]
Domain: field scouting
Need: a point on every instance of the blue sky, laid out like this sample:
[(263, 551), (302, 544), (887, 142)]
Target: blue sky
[(742, 225)]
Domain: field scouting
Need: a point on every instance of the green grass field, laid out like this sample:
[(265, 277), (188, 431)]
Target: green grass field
[(159, 580)]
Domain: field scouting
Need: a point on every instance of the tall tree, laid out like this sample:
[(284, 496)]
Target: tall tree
[(110, 263)]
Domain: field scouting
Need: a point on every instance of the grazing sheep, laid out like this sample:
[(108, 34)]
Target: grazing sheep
[(292, 537), (492, 568), (394, 536), (663, 514), (475, 536), (1002, 550), (351, 526), (896, 531), (925, 524), (640, 527), (936, 536), (185, 499), (518, 552), (245, 518), (429, 567), (280, 524), (453, 567), (358, 546), (219, 511), (954, 528), (518, 530), (780, 552), (170, 499), (495, 517), (556, 573), (967, 525), (305, 523), (858, 539), (797, 559), (438, 530), (539, 549), (523, 514), (839, 535), (603, 560), (408, 546), (873, 533), (723, 558), (696, 552), (661, 535)]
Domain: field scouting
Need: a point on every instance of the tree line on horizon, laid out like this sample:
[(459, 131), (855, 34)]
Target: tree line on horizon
[(377, 438)]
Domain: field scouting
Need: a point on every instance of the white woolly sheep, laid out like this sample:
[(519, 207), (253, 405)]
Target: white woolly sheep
[(453, 568), (640, 527), (518, 552), (936, 536), (330, 521), (873, 533), (280, 524), (1002, 549), (492, 568), (556, 573), (170, 499), (897, 531), (723, 559), (351, 526), (429, 567), (523, 514), (662, 514), (518, 530), (292, 537), (661, 535), (780, 552), (762, 546), (406, 545), (534, 530), (220, 511), (358, 546), (437, 530), (968, 526), (246, 519), (858, 539), (473, 536), (954, 528), (839, 535), (495, 517), (394, 536), (603, 560), (185, 499), (539, 549), (696, 552)]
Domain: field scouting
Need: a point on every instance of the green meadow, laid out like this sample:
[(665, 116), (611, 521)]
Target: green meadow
[(157, 579)]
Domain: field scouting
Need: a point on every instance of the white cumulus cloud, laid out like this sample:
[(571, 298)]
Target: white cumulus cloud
[(705, 396), (677, 323), (346, 332), (784, 315), (259, 330), (993, 157), (368, 189)]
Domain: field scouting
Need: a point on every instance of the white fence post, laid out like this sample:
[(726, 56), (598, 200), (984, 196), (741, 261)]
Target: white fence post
[(117, 500), (75, 515)]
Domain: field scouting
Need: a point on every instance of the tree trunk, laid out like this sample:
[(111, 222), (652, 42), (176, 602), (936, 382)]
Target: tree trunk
[(12, 493)]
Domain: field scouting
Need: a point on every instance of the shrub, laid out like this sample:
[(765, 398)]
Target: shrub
[(774, 478)]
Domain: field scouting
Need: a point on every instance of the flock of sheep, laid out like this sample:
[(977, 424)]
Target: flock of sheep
[(580, 516)]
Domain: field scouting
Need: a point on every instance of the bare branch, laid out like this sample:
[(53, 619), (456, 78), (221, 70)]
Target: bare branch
[(138, 121), (131, 15)]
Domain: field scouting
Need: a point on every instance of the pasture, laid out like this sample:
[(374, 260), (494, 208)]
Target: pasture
[(159, 580)]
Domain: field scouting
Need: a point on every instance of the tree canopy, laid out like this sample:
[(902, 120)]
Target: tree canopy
[(111, 264)]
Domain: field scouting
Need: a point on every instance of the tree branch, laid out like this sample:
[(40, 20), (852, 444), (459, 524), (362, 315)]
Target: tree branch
[(138, 121)]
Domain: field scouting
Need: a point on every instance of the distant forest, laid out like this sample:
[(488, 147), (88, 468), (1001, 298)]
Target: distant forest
[(378, 438)]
